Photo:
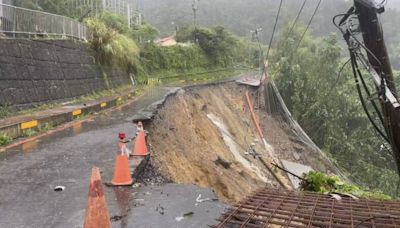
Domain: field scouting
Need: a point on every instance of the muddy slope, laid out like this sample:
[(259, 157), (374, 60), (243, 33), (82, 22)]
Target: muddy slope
[(202, 136)]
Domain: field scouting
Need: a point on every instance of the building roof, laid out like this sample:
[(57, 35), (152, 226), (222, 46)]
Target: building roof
[(166, 39), (280, 208)]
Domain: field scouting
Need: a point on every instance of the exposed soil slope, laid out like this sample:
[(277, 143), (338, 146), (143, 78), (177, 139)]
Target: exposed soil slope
[(202, 136)]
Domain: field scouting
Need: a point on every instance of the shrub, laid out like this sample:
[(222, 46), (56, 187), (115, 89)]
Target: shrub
[(220, 46), (115, 21), (29, 132), (113, 48), (322, 183), (144, 33), (4, 139), (178, 58), (4, 111)]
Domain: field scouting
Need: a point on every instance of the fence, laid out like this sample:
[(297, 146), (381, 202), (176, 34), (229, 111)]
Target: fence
[(26, 23), (125, 8)]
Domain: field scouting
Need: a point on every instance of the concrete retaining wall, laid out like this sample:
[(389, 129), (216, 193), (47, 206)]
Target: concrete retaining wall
[(34, 72)]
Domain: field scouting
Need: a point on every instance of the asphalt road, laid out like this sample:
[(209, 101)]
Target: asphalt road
[(29, 173)]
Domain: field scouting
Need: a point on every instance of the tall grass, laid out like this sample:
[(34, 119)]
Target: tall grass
[(112, 48)]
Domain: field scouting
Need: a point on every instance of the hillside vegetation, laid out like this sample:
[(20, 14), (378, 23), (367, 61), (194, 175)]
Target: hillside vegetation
[(323, 99), (241, 16), (135, 50)]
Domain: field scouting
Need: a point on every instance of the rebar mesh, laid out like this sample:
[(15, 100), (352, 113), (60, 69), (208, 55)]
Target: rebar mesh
[(279, 208)]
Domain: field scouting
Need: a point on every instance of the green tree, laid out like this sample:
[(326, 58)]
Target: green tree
[(144, 33), (221, 46), (328, 107), (113, 48), (115, 21)]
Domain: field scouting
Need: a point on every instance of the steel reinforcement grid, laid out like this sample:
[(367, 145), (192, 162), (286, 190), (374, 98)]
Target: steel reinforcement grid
[(280, 208), (19, 22)]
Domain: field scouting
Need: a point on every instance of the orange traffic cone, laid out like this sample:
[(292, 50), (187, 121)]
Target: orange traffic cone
[(122, 173), (96, 210), (139, 147)]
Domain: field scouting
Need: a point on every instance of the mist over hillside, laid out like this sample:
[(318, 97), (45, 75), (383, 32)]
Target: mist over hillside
[(394, 4), (239, 16), (242, 16)]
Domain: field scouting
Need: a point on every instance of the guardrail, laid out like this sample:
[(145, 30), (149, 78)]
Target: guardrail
[(124, 8), (25, 23)]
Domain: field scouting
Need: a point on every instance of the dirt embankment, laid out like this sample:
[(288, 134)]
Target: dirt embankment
[(202, 136)]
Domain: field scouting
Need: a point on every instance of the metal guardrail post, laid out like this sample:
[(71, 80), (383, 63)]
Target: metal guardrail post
[(63, 26), (14, 22), (79, 31), (72, 29)]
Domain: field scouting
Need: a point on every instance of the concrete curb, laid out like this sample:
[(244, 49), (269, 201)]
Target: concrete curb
[(18, 126)]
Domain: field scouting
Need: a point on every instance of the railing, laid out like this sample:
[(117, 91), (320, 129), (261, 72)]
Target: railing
[(95, 7), (124, 8), (25, 23)]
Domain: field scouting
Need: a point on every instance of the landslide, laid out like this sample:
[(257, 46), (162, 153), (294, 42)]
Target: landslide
[(202, 135)]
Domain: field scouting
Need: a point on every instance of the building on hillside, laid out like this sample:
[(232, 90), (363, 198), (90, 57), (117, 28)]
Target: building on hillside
[(167, 41)]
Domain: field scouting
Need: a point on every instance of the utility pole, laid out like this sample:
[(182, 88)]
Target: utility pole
[(128, 14), (194, 8), (367, 12), (257, 34)]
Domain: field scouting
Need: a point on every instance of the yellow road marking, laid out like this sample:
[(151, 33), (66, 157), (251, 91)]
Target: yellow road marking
[(29, 124), (77, 112)]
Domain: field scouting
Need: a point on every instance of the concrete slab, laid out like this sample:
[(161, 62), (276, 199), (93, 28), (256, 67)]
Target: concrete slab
[(296, 168), (169, 205), (251, 80)]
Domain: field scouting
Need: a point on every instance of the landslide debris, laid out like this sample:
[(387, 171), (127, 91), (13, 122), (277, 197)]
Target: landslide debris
[(204, 136)]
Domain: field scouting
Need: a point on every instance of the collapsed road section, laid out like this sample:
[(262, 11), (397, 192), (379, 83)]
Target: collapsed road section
[(197, 136), (205, 135)]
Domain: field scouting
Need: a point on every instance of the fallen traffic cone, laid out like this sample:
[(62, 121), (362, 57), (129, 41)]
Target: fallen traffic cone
[(96, 210), (122, 173), (139, 147)]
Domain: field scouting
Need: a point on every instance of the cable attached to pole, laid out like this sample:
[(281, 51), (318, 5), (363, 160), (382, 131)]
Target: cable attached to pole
[(295, 21), (309, 23), (273, 31), (353, 65)]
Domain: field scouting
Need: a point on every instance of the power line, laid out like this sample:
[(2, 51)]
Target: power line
[(355, 48), (291, 29), (273, 31), (363, 103), (295, 20), (309, 23)]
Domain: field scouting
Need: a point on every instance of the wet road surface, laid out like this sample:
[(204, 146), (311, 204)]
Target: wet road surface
[(29, 173)]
